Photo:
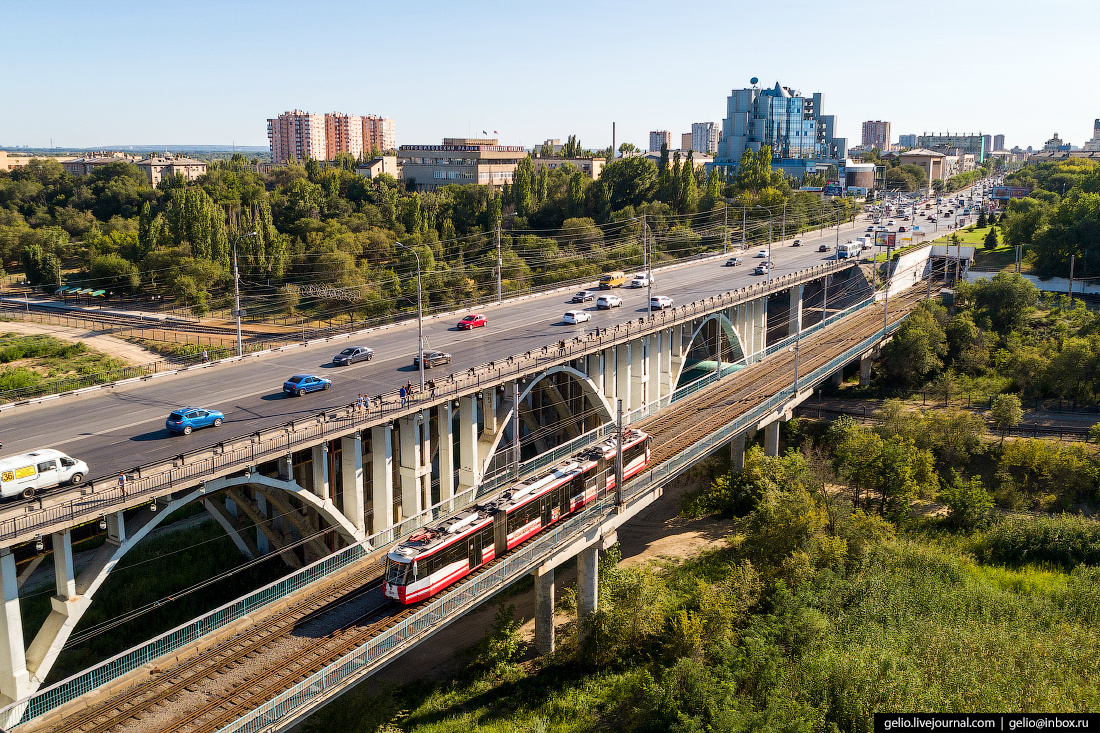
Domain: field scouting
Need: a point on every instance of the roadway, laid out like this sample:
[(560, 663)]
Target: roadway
[(115, 430)]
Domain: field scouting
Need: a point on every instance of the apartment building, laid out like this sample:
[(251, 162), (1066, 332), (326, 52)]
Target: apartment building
[(85, 164), (378, 134), (685, 141), (156, 168), (876, 134), (459, 160), (657, 138), (343, 134), (704, 137)]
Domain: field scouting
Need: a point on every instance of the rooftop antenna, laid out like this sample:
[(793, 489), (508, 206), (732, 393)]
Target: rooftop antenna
[(754, 82)]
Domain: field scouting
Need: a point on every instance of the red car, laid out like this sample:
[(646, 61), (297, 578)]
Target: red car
[(472, 321)]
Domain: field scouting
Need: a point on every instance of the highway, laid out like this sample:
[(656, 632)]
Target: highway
[(116, 430)]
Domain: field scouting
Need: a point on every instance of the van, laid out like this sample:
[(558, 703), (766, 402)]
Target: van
[(613, 280), (41, 469)]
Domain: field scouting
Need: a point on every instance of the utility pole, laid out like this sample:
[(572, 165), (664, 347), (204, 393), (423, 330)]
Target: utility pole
[(500, 263), (744, 212), (619, 453), (886, 300), (648, 270), (726, 229)]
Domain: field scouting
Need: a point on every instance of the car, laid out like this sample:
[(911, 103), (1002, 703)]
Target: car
[(432, 358), (641, 280), (823, 248), (660, 302), (797, 243), (299, 384), (474, 320), (606, 302), (761, 269), (353, 354), (733, 262), (186, 419), (762, 254), (905, 218), (890, 223), (575, 317), (902, 229), (870, 229), (583, 296)]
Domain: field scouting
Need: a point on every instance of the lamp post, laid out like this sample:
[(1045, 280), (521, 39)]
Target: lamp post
[(237, 294), (647, 264), (769, 273), (419, 316)]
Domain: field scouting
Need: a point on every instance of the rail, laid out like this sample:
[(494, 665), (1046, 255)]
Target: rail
[(453, 604), (146, 482)]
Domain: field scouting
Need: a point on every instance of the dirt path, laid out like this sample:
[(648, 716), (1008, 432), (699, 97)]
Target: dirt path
[(656, 532), (109, 345)]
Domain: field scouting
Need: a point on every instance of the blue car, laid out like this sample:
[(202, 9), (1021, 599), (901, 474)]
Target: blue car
[(299, 384), (186, 419)]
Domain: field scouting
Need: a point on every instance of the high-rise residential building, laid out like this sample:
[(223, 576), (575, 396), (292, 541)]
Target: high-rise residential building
[(300, 135), (793, 126), (980, 146), (685, 141), (459, 161), (1094, 143), (907, 141), (704, 137), (378, 133), (343, 134), (297, 135), (876, 134), (998, 142), (657, 138)]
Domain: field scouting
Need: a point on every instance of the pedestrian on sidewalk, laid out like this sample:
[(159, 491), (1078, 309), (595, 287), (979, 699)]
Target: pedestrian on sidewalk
[(431, 386), (205, 357), (404, 396), (122, 483)]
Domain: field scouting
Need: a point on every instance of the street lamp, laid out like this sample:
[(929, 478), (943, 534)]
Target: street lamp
[(419, 316), (237, 294), (765, 208), (647, 265)]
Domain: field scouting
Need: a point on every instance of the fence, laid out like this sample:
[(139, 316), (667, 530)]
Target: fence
[(393, 641)]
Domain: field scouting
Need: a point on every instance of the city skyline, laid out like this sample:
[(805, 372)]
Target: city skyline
[(220, 91)]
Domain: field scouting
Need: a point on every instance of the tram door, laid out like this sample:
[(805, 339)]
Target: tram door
[(475, 550), (500, 533), (547, 505)]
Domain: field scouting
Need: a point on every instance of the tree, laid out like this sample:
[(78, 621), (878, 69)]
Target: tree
[(968, 503), (1008, 299), (982, 221), (1006, 412), (625, 148), (991, 239), (918, 347), (112, 272)]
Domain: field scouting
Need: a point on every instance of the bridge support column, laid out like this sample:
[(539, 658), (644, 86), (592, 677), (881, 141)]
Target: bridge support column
[(544, 611), (64, 577), (286, 468), (116, 528), (737, 453), (261, 539), (351, 475), (446, 454), (608, 359), (653, 367), (865, 370), (838, 377), (794, 317), (664, 368), (320, 471), (14, 678), (469, 469), (489, 409), (232, 526), (760, 324), (593, 368), (622, 374), (771, 438), (382, 480), (638, 377), (412, 469)]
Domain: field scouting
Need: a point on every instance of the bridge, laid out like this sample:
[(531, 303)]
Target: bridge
[(328, 490)]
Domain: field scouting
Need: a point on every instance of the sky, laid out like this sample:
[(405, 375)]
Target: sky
[(200, 72)]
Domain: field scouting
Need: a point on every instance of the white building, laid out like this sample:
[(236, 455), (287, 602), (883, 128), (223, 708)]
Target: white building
[(704, 137), (657, 138)]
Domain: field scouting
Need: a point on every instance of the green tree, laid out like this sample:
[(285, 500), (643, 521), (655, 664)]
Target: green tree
[(1006, 412), (112, 272), (982, 221), (1007, 299), (918, 347), (968, 503), (990, 241)]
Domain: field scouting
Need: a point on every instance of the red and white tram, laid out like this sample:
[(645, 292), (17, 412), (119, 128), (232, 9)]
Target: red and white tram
[(444, 552)]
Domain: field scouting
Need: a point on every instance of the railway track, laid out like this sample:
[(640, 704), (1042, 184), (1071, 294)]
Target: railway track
[(137, 707), (133, 322)]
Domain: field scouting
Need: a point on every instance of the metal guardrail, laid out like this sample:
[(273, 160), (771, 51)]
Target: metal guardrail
[(105, 495), (452, 604)]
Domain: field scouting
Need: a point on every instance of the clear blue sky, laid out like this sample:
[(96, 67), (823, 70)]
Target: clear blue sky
[(201, 72)]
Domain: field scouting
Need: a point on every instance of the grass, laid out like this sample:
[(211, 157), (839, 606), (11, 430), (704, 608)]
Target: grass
[(30, 360)]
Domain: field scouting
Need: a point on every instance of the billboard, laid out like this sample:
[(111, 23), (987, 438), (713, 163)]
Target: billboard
[(886, 239), (833, 189), (1011, 192)]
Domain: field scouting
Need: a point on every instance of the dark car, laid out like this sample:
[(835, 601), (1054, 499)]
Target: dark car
[(823, 248), (583, 296), (186, 419), (299, 384), (432, 358), (353, 354), (797, 243)]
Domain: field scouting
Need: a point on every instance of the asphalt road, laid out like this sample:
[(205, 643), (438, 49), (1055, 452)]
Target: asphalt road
[(115, 430)]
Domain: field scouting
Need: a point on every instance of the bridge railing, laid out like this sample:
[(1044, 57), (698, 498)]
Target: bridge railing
[(393, 641)]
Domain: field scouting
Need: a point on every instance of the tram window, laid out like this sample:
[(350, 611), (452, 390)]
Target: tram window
[(396, 572)]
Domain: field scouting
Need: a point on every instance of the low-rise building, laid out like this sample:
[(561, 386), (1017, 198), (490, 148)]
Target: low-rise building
[(459, 160), (377, 166), (157, 168), (590, 167), (698, 160), (86, 164), (930, 160)]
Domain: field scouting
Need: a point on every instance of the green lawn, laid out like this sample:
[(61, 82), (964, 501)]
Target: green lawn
[(29, 360)]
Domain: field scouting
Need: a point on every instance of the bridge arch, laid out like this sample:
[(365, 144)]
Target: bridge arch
[(735, 351)]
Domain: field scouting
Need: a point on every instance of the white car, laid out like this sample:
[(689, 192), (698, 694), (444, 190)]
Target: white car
[(606, 302), (660, 302), (762, 254), (761, 269), (575, 317), (641, 280)]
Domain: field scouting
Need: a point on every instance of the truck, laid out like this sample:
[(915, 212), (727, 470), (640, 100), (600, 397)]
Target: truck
[(44, 468)]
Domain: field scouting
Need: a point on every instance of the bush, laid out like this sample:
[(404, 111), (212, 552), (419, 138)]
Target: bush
[(1063, 540)]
